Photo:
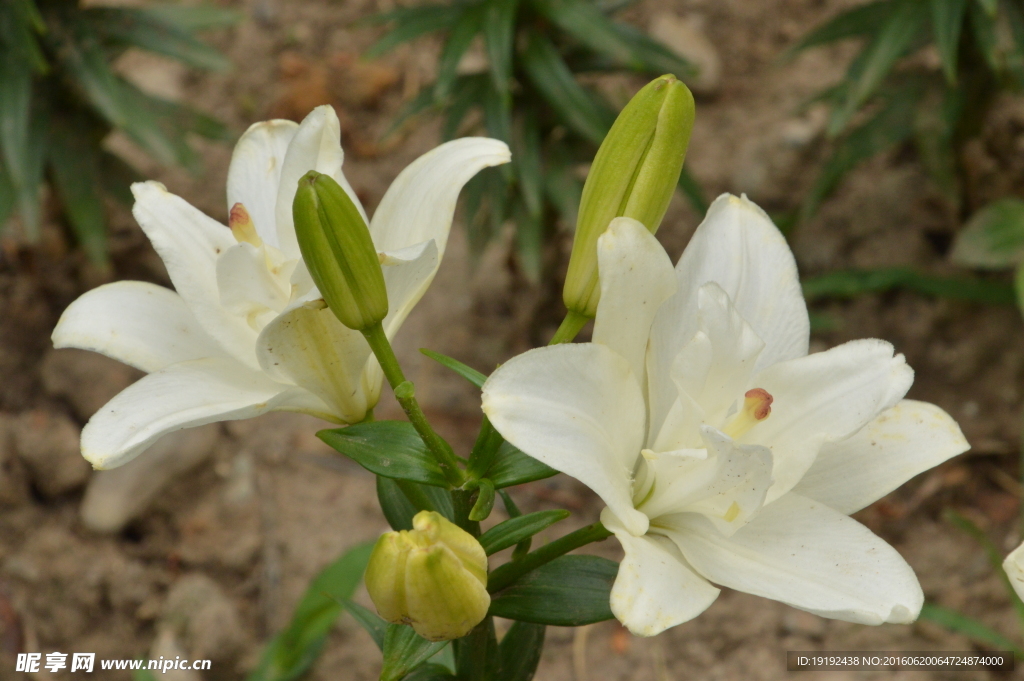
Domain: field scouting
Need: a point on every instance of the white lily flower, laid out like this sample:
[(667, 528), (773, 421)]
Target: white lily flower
[(245, 331), (1014, 568), (724, 452)]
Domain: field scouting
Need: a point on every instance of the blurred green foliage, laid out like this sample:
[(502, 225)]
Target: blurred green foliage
[(531, 95), (927, 73), (60, 97)]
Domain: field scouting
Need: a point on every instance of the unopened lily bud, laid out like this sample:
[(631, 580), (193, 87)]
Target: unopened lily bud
[(433, 577), (634, 175), (337, 248)]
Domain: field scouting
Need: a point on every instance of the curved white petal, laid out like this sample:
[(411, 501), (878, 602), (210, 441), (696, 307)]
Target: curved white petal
[(636, 278), (809, 556), (822, 398), (420, 204), (255, 173), (900, 443), (737, 247), (1014, 568), (655, 588), (141, 324), (309, 347), (189, 243), (180, 396), (315, 146), (728, 487), (577, 408), (248, 288), (407, 275)]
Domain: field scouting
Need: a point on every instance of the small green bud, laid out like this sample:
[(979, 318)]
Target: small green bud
[(337, 248), (433, 577), (634, 175)]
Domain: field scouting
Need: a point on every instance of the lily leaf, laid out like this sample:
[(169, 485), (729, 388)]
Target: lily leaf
[(570, 591), (512, 467), (853, 283), (514, 530), (857, 22), (400, 500), (947, 22), (993, 238), (146, 30), (390, 448), (404, 650), (519, 651), (369, 620), (467, 372)]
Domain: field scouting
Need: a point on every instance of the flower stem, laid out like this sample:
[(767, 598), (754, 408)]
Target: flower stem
[(570, 326), (406, 396), (508, 573)]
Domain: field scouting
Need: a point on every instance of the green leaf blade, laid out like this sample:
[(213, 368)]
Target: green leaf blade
[(515, 530), (993, 237), (947, 22), (392, 449), (404, 650), (512, 467), (570, 591), (520, 650)]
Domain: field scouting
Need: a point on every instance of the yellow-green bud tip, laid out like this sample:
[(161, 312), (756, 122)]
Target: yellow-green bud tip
[(634, 175), (433, 577), (339, 252)]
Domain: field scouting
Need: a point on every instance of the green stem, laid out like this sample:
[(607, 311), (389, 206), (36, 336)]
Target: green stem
[(476, 654), (570, 326), (406, 396), (508, 573)]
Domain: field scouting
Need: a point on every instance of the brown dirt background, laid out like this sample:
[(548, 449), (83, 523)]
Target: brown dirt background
[(241, 535)]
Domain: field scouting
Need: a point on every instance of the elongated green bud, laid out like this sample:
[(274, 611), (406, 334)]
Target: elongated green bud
[(337, 248), (634, 175), (433, 577)]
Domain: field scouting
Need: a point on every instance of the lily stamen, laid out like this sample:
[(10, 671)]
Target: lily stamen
[(757, 406), (242, 226)]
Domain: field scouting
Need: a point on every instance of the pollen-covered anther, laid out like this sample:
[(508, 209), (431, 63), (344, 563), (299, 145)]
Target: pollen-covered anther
[(242, 226), (757, 406)]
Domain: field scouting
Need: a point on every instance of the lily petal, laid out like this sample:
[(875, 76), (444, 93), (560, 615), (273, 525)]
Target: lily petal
[(825, 397), (636, 278), (1014, 568), (247, 287), (655, 588), (255, 173), (737, 247), (141, 324), (180, 396), (407, 275), (189, 243), (578, 408), (420, 204), (901, 442), (809, 556), (316, 146), (728, 487), (308, 346)]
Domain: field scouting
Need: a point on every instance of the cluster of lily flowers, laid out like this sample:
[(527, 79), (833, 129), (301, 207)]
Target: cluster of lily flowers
[(725, 454)]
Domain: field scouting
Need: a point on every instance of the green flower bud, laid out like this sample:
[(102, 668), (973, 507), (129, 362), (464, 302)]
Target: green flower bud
[(433, 577), (337, 248), (634, 175)]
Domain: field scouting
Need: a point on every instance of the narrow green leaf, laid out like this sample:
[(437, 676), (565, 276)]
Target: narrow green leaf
[(430, 672), (570, 591), (146, 30), (117, 177), (549, 74), (193, 18), (23, 135), (526, 149), (499, 38), (854, 23), (390, 448), (369, 620), (459, 39), (853, 283), (991, 7), (562, 187), (484, 501), (529, 241), (8, 197), (423, 101), (654, 57), (75, 168), (404, 650), (21, 24), (972, 629), (892, 41), (515, 530), (893, 124), (935, 127), (947, 22), (1018, 287), (983, 28), (394, 504), (428, 498), (467, 93), (468, 373), (411, 23), (292, 652), (993, 238), (520, 650), (512, 467)]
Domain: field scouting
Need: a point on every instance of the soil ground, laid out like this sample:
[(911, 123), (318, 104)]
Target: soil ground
[(224, 552)]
